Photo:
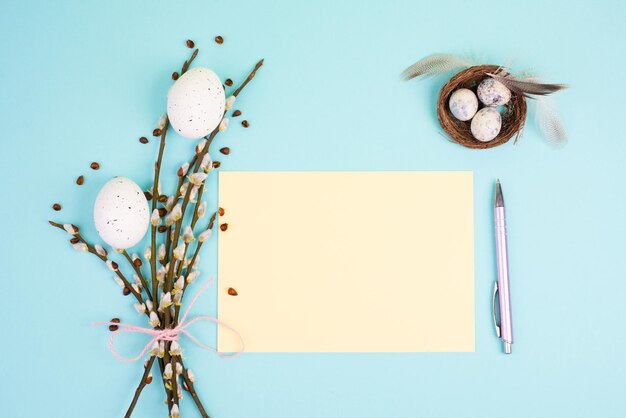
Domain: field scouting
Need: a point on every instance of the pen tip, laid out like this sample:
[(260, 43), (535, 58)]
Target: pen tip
[(498, 200)]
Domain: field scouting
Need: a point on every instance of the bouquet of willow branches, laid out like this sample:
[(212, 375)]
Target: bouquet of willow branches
[(176, 235)]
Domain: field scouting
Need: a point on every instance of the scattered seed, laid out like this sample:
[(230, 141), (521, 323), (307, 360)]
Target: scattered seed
[(236, 113), (74, 240), (162, 228), (95, 166), (162, 212), (148, 195), (137, 262), (225, 150), (163, 198), (190, 43), (219, 39), (149, 379), (126, 291), (228, 82), (143, 140), (56, 207), (114, 327), (175, 76), (245, 123), (156, 132), (223, 227), (216, 164), (80, 180), (220, 211), (232, 291)]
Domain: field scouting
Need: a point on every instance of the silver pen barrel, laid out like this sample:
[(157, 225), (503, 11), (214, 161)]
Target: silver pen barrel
[(502, 259)]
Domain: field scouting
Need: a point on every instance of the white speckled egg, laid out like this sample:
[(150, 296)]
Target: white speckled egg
[(486, 124), (121, 213), (463, 104), (195, 103), (493, 93)]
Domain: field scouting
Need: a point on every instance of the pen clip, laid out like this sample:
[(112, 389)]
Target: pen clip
[(493, 308)]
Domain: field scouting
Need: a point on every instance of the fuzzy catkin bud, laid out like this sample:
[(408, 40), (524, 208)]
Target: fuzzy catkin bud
[(182, 171), (204, 235), (100, 251), (154, 320), (197, 178), (155, 219), (81, 247), (202, 209), (230, 102), (207, 163), (167, 373), (175, 349), (179, 251), (200, 146), (176, 213), (223, 125), (161, 252)]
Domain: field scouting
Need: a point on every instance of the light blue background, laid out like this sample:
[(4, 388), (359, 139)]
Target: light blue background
[(82, 81)]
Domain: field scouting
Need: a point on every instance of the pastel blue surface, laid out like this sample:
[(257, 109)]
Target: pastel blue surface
[(82, 81)]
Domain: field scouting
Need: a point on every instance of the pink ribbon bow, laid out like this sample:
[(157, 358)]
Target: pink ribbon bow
[(172, 334)]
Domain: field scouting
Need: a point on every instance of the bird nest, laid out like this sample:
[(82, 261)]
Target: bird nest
[(513, 115)]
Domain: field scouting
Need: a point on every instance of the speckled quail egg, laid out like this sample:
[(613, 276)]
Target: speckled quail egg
[(463, 104), (493, 93), (486, 124)]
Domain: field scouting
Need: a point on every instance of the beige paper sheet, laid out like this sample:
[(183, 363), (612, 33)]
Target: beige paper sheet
[(347, 261)]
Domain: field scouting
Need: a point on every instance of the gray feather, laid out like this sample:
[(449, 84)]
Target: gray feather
[(526, 86), (548, 122), (434, 65)]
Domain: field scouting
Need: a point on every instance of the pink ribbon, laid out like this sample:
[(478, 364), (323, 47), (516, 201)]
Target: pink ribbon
[(172, 334)]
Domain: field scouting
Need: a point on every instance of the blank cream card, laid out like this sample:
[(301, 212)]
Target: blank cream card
[(347, 261)]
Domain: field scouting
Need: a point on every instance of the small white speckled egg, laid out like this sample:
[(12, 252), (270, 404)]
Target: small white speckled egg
[(486, 124), (195, 103), (121, 213), (463, 104), (493, 93)]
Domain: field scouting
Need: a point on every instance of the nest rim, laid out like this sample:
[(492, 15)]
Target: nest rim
[(513, 115)]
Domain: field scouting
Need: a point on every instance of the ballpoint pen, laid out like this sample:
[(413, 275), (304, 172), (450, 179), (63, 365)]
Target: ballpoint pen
[(504, 327)]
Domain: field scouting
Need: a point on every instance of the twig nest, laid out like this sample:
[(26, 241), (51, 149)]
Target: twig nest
[(486, 124), (512, 115), (463, 104), (493, 93)]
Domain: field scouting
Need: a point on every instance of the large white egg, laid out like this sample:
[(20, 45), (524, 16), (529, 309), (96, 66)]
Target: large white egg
[(486, 124), (121, 213), (463, 104), (493, 93), (195, 103)]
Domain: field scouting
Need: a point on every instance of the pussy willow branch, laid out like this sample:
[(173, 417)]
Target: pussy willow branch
[(192, 391), (196, 166), (92, 250), (167, 286), (155, 191), (142, 384), (137, 269), (191, 263), (153, 228)]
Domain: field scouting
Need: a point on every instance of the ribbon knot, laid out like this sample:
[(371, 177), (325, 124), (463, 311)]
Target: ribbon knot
[(172, 334)]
